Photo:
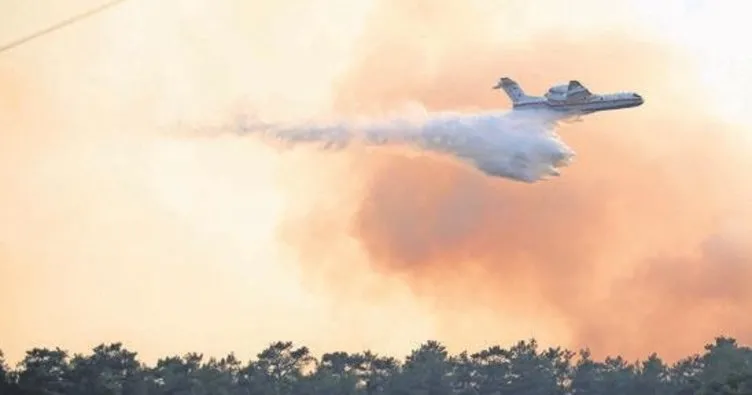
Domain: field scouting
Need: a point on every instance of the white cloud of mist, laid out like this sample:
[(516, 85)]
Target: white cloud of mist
[(500, 144)]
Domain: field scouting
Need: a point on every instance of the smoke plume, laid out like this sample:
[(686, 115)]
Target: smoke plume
[(114, 228), (640, 247)]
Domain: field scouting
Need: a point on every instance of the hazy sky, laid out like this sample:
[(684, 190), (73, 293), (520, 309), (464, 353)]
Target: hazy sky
[(111, 230)]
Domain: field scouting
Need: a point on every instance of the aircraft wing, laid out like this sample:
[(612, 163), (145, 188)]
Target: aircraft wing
[(575, 88)]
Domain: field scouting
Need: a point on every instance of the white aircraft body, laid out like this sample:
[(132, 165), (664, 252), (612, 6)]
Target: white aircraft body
[(565, 101)]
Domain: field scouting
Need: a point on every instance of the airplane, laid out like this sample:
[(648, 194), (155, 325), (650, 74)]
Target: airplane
[(567, 101)]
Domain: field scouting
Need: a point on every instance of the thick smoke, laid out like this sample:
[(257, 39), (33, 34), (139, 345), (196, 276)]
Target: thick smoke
[(640, 247), (112, 231), (113, 227)]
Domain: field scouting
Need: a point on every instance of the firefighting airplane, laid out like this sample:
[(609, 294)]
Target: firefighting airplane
[(567, 101)]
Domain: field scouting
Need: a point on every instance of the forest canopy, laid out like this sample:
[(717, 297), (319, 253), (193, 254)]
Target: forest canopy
[(526, 368)]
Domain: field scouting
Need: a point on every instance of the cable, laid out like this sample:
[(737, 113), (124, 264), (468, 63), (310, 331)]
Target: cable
[(60, 25)]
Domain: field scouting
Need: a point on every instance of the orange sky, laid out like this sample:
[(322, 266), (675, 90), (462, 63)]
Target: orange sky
[(111, 230)]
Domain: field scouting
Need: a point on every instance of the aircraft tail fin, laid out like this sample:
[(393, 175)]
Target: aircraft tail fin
[(512, 89)]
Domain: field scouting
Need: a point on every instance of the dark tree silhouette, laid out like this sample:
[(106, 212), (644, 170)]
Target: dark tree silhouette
[(723, 368)]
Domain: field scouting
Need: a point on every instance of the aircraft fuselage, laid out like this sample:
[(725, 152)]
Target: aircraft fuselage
[(592, 104), (567, 100)]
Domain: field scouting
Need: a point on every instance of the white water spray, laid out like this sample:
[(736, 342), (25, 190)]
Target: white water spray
[(500, 144)]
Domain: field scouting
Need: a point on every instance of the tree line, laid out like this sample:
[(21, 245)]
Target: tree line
[(724, 367)]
